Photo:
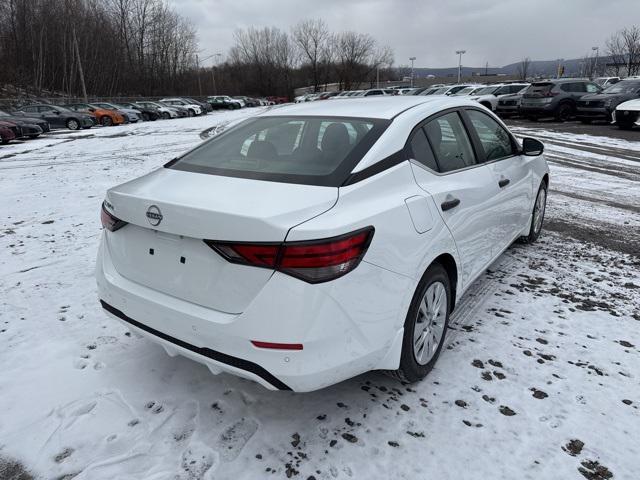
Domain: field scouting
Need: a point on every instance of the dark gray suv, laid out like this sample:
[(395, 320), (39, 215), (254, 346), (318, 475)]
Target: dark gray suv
[(555, 98), (600, 106)]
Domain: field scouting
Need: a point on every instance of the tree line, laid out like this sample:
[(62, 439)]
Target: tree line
[(112, 46)]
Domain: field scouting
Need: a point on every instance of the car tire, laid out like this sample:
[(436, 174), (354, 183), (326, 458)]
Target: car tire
[(106, 121), (191, 113), (166, 115), (537, 216), (73, 124), (564, 112), (421, 324), (31, 137), (145, 117)]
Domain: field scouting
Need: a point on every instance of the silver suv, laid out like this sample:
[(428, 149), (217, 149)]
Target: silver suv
[(555, 98)]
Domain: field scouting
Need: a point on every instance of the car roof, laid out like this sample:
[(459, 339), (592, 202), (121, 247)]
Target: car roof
[(383, 107)]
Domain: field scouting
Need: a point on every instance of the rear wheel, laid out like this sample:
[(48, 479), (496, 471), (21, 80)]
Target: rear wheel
[(191, 113), (537, 217), (73, 124), (564, 112), (166, 115), (106, 121), (425, 326)]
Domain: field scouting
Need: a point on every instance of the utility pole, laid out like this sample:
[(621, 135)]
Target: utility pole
[(213, 71), (82, 85), (595, 65), (460, 53), (198, 73), (413, 59)]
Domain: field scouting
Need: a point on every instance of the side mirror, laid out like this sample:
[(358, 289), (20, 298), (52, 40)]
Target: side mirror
[(532, 147)]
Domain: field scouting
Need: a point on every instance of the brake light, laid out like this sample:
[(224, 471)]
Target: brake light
[(109, 221), (313, 261)]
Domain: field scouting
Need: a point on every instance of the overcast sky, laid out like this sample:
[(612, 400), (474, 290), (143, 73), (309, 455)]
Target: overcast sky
[(495, 31)]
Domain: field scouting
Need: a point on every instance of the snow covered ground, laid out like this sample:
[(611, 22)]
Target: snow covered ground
[(540, 379)]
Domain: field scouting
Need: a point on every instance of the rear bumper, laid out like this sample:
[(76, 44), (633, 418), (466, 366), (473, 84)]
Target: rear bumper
[(347, 327), (537, 109)]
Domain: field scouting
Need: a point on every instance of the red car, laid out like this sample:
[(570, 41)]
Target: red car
[(278, 100), (7, 132)]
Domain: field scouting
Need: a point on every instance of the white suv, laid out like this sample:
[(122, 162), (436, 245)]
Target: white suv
[(181, 102)]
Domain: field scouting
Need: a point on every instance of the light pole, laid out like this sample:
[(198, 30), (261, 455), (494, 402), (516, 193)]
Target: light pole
[(460, 53), (595, 65), (413, 59), (213, 72)]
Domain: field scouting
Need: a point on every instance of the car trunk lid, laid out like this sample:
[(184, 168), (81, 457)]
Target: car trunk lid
[(171, 212)]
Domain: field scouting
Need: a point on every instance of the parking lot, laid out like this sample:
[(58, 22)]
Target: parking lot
[(539, 379)]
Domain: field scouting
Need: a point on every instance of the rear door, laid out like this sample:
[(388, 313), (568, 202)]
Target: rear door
[(48, 113), (511, 173), (446, 167)]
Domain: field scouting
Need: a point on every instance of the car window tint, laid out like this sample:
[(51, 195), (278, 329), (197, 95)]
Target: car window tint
[(421, 150), (308, 150), (494, 139), (450, 142)]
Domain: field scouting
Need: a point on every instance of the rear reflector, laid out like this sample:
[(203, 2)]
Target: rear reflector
[(277, 346), (313, 261), (109, 221)]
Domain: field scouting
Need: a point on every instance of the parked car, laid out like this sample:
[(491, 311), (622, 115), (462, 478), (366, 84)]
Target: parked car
[(180, 110), (600, 106), (8, 131), (165, 111), (555, 98), (30, 127), (338, 235), (130, 115), (147, 113), (206, 108), (372, 92), (509, 105), (605, 82), (57, 116), (627, 114), (488, 96), (470, 90), (218, 102), (192, 108), (446, 90), (104, 117)]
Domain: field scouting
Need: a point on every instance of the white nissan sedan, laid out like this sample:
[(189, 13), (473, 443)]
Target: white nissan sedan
[(318, 241)]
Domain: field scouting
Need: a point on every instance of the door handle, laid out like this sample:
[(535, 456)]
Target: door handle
[(449, 204), (504, 182)]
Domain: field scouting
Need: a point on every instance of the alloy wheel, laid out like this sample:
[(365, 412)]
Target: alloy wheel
[(429, 324), (538, 210)]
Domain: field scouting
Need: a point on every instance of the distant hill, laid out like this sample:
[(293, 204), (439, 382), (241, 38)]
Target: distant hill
[(541, 68)]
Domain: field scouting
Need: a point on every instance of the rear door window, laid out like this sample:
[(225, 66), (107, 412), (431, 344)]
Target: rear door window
[(450, 142)]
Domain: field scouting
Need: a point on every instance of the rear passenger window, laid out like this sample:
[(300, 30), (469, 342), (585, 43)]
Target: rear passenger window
[(450, 142), (422, 150), (495, 141)]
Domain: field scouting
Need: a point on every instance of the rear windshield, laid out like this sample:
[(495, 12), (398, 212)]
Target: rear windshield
[(306, 150)]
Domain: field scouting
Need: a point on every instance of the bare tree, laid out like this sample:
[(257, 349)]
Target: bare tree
[(311, 38), (623, 48), (352, 52), (523, 68)]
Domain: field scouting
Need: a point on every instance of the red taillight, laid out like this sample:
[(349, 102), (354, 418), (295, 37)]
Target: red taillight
[(109, 221), (313, 261)]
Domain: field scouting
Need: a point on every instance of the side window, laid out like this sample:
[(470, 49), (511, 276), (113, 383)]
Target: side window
[(566, 87), (45, 109), (450, 142), (592, 88), (421, 150), (495, 141), (30, 109)]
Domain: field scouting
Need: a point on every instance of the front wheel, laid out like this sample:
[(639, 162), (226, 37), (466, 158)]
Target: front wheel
[(106, 121), (537, 216), (166, 115), (425, 326)]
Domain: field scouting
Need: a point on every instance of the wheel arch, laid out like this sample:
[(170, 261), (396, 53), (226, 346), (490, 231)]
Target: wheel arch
[(447, 261)]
